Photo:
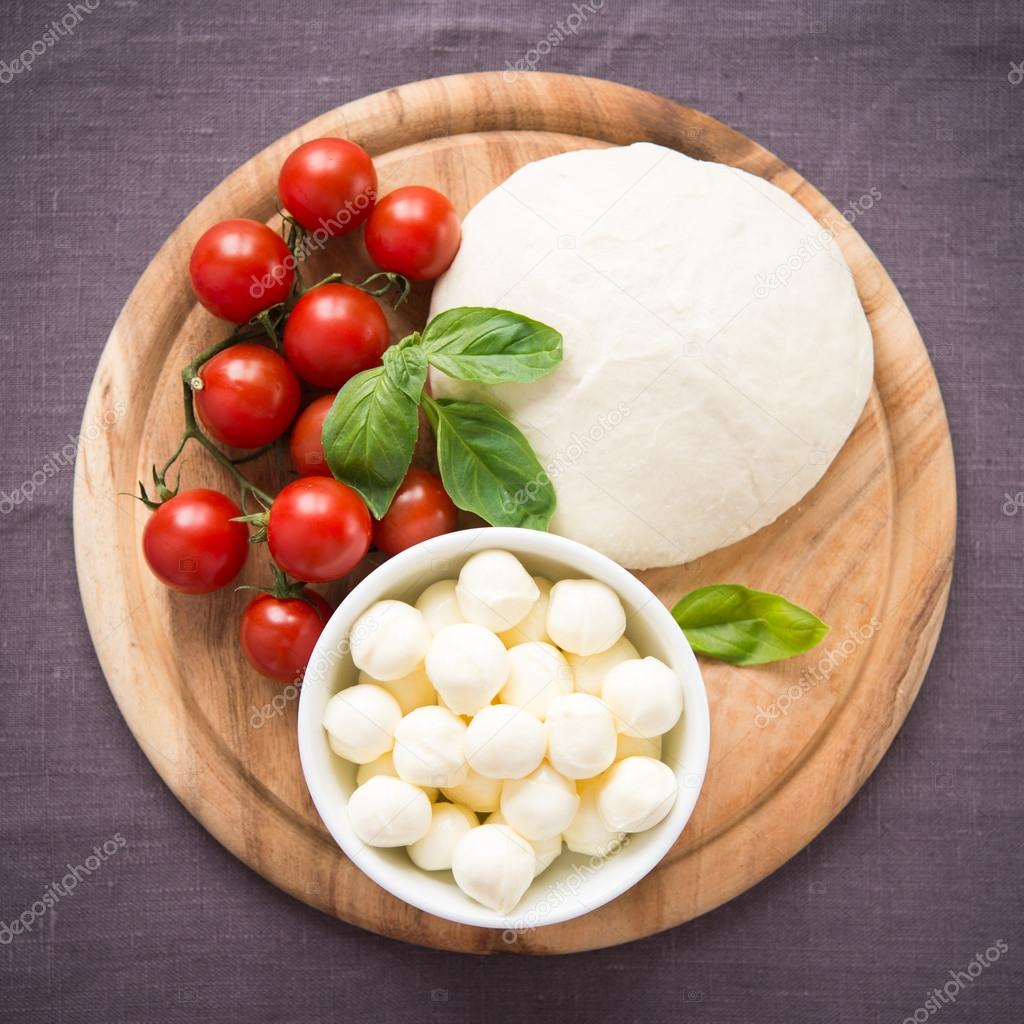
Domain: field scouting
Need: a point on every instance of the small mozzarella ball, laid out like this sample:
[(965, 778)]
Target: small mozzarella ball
[(389, 812), (635, 794), (385, 765), (645, 696), (544, 850), (585, 616), (505, 742), (495, 591), (449, 823), (476, 791), (411, 691), (581, 736), (438, 605), (587, 833), (468, 665), (541, 805), (535, 625), (389, 640), (361, 722), (494, 865), (589, 670), (429, 748), (645, 746), (537, 674)]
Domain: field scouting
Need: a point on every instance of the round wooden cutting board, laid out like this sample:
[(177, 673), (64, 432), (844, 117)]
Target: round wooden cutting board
[(869, 549)]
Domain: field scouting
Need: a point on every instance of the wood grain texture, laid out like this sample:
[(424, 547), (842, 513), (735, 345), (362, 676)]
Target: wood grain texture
[(870, 548)]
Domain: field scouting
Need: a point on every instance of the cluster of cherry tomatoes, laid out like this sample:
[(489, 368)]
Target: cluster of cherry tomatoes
[(248, 394)]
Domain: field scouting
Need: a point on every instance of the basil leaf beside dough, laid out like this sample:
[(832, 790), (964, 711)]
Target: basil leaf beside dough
[(488, 466), (369, 436), (490, 346), (730, 623), (406, 366)]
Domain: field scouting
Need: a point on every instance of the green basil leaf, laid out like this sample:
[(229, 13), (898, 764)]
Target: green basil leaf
[(488, 467), (406, 366), (369, 436), (746, 627), (489, 346)]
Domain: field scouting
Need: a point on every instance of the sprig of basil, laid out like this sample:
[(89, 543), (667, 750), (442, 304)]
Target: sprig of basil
[(369, 436), (731, 623), (491, 346), (488, 466)]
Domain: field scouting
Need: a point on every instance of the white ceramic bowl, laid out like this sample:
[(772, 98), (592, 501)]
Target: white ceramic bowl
[(575, 884)]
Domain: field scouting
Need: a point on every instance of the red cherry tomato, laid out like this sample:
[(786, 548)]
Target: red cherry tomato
[(318, 529), (420, 509), (334, 332), (414, 231), (306, 445), (278, 634), (249, 396), (328, 185), (191, 543), (239, 268)]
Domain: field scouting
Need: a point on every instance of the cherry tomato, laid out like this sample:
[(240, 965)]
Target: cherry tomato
[(328, 185), (414, 231), (191, 544), (420, 509), (334, 332), (306, 446), (239, 268), (249, 396), (318, 529), (278, 634)]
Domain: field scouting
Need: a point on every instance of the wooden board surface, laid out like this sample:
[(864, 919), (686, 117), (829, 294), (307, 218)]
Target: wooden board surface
[(869, 549)]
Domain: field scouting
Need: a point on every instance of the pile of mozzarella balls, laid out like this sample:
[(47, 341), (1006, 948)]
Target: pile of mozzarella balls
[(514, 699)]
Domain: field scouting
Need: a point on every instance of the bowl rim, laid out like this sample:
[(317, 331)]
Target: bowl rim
[(392, 575)]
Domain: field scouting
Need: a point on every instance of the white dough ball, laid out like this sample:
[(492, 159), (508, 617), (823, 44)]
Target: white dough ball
[(439, 606), (544, 850), (429, 748), (589, 670), (541, 805), (411, 691), (448, 824), (389, 812), (581, 735), (389, 640), (494, 866), (535, 625), (645, 696), (587, 832), (385, 765), (468, 665), (585, 616), (636, 793), (477, 792), (495, 591), (360, 721), (505, 742), (537, 674), (646, 746)]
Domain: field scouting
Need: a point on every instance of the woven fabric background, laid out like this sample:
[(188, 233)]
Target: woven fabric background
[(119, 127)]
